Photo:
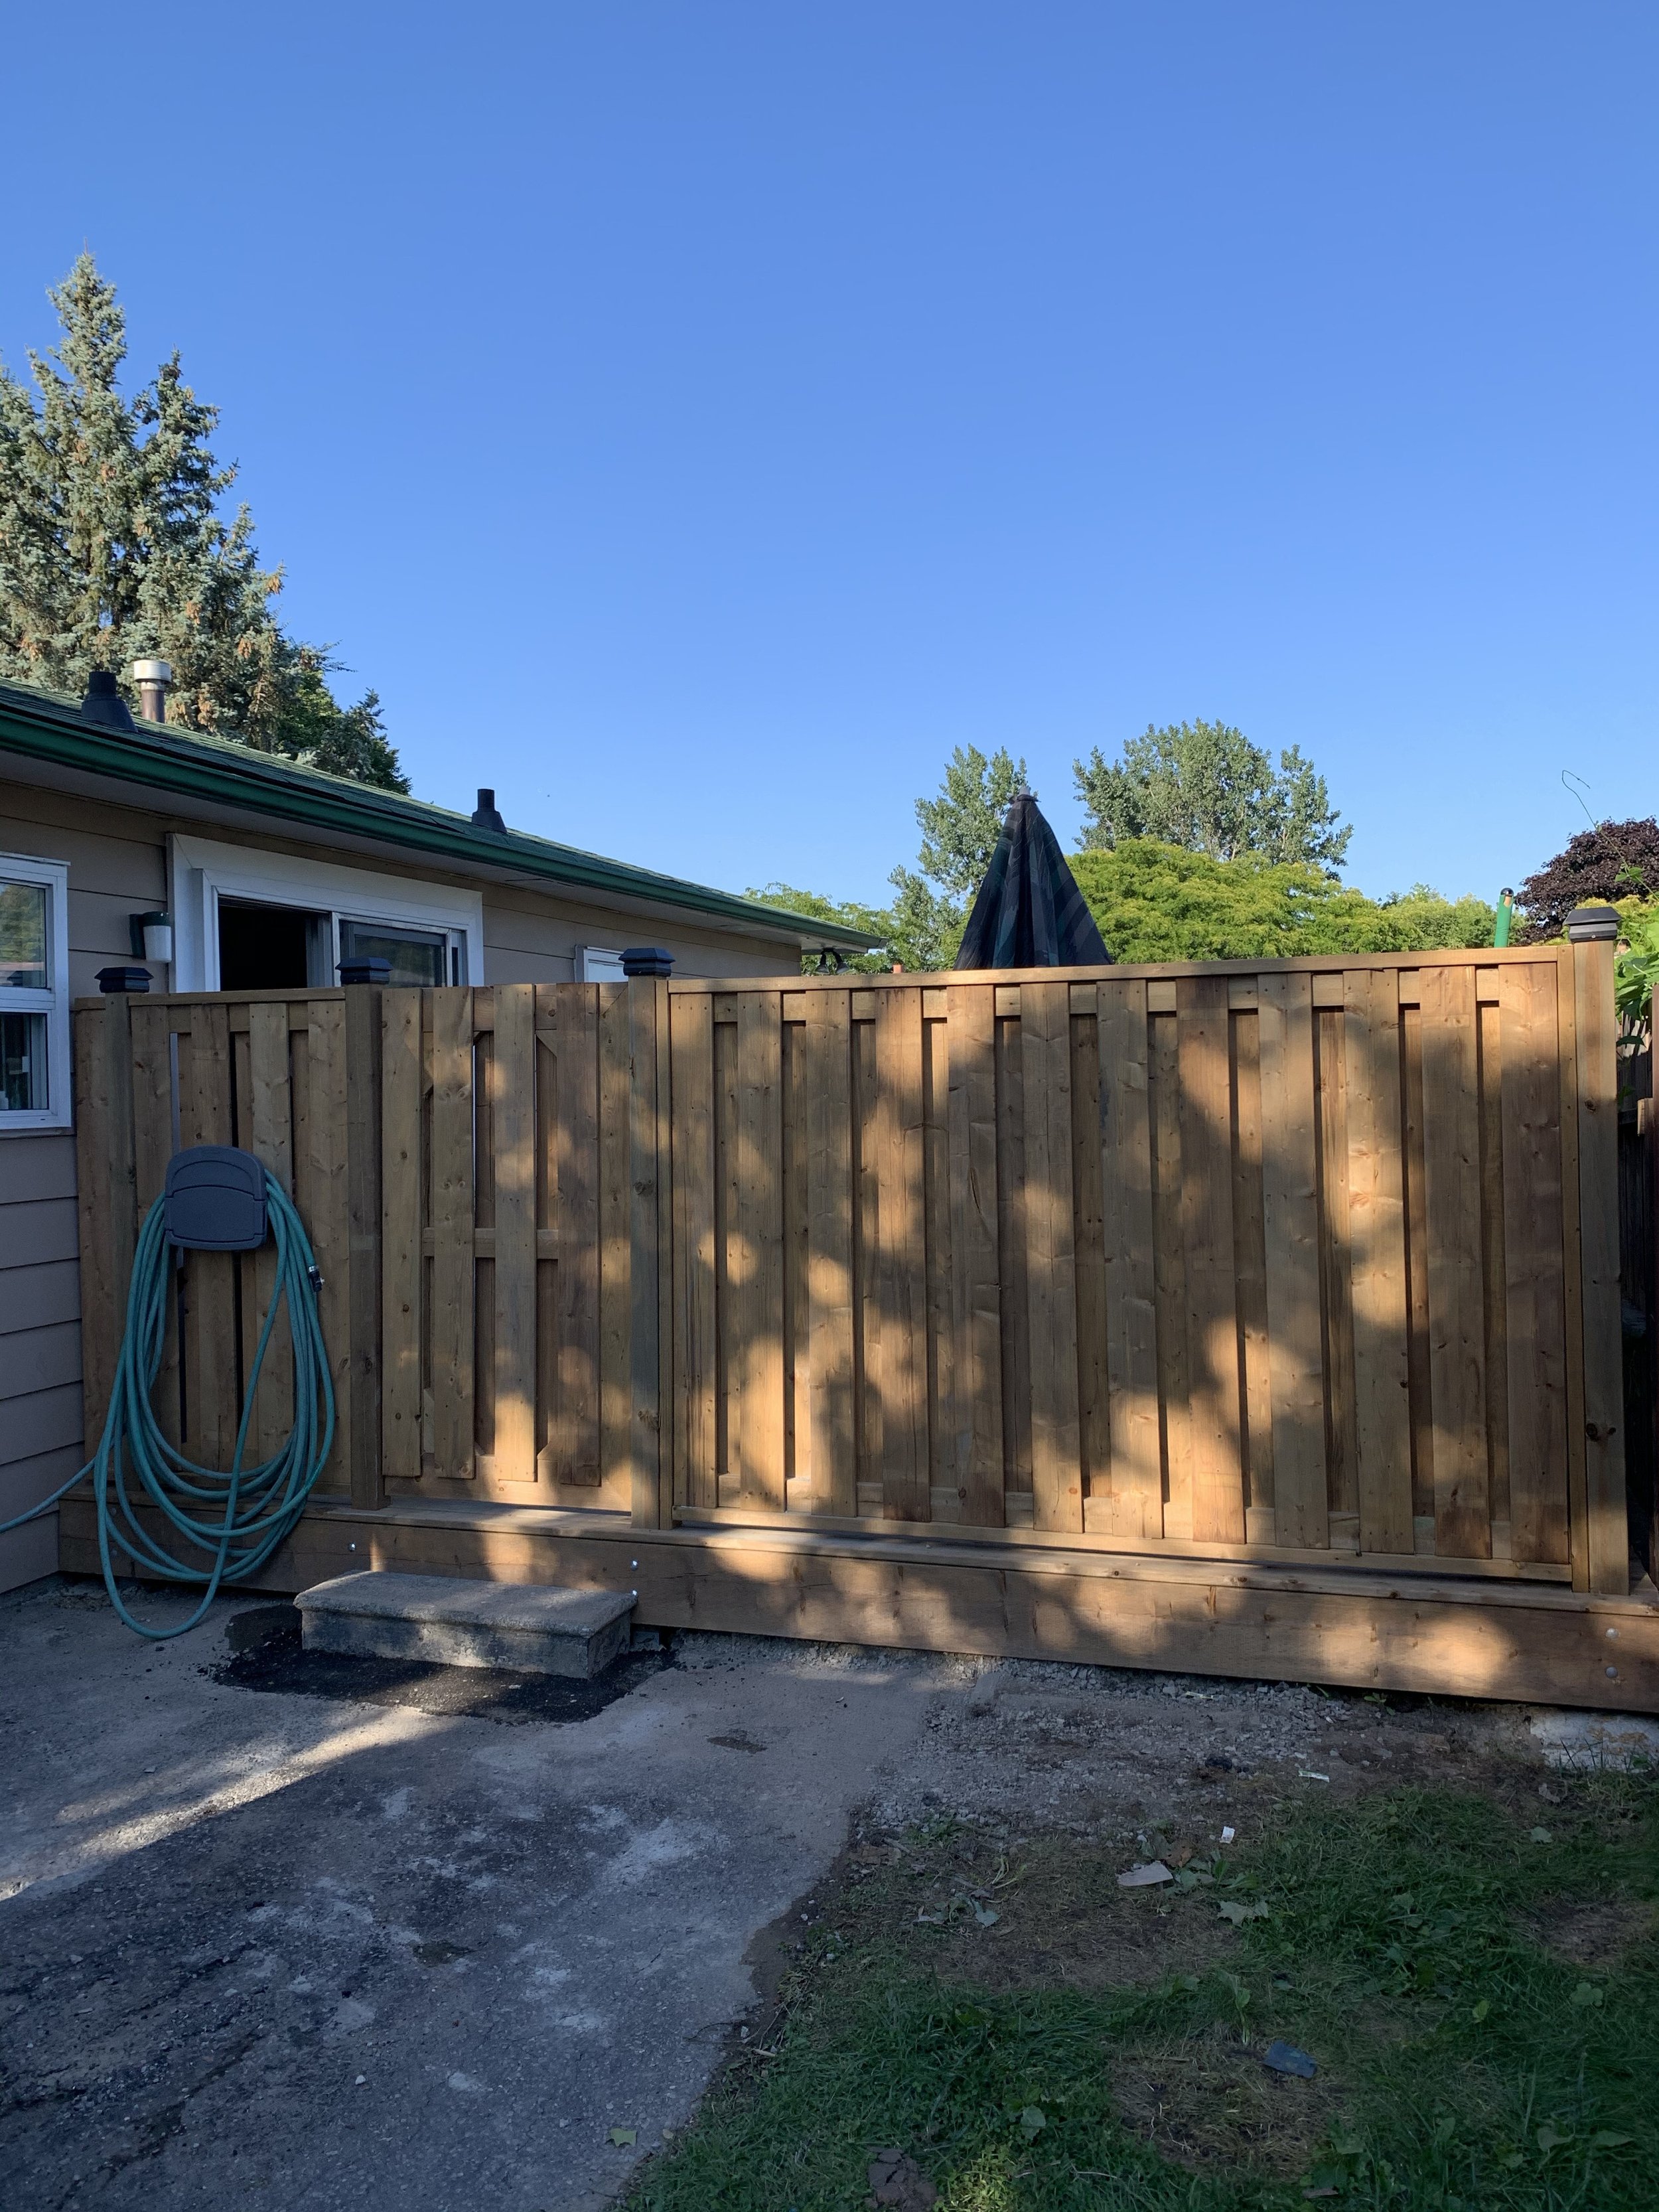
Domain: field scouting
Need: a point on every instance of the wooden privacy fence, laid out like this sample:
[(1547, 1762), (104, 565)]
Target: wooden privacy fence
[(1301, 1261)]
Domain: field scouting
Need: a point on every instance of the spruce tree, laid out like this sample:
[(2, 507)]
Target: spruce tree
[(113, 547)]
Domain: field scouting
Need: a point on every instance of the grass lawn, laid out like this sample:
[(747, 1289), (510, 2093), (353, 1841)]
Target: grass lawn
[(1476, 1981)]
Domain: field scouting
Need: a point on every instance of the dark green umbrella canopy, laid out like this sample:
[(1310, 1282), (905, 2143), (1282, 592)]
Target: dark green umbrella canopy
[(1029, 912)]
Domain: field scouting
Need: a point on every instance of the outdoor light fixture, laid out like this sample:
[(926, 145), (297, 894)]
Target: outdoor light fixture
[(152, 938), (1592, 924)]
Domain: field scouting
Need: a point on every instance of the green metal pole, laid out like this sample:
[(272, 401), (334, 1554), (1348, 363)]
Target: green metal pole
[(1505, 913)]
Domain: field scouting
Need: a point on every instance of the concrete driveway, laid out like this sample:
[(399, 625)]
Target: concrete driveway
[(278, 1948)]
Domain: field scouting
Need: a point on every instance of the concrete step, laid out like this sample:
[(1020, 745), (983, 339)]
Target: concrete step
[(529, 1628)]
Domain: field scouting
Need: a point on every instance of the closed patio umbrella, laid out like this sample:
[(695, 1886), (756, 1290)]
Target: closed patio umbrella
[(1029, 912)]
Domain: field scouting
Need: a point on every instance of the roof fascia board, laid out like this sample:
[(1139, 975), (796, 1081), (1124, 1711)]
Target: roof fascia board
[(254, 785)]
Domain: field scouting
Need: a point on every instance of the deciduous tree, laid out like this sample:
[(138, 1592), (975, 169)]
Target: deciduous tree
[(1205, 786)]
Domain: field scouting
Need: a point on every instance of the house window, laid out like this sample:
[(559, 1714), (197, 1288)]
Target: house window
[(246, 919), (34, 1060)]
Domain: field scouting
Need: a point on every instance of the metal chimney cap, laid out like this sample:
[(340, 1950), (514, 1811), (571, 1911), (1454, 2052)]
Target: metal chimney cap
[(152, 672), (103, 705), (1593, 925)]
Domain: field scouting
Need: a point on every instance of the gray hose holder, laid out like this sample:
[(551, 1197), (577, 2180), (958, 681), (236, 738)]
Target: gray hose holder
[(214, 1199)]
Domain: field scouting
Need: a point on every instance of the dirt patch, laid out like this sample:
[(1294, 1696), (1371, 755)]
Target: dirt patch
[(1205, 2101), (1599, 1934)]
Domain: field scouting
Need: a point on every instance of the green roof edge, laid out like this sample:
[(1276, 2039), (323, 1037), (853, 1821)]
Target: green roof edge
[(223, 770)]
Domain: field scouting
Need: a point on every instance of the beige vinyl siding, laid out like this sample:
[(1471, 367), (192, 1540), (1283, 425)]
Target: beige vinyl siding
[(40, 1342), (531, 939)]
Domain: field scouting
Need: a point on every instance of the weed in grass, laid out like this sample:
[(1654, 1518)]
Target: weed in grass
[(1484, 2010)]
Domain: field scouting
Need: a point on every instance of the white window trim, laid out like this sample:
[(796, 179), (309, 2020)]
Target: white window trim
[(53, 1001), (598, 964), (200, 873)]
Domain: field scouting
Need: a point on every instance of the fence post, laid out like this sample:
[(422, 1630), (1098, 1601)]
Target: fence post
[(362, 1048), (1606, 1533), (647, 1189)]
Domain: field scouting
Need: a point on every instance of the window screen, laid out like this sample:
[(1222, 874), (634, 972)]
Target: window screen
[(418, 956)]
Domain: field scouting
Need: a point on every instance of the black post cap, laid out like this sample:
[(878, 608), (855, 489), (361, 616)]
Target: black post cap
[(371, 968), (1590, 925), (113, 980), (104, 705), (647, 960)]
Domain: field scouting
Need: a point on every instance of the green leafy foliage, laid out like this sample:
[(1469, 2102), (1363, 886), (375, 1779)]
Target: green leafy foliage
[(113, 547), (1156, 901), (1606, 866), (1205, 786)]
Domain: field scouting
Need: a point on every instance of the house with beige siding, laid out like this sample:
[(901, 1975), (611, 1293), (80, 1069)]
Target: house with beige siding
[(129, 841)]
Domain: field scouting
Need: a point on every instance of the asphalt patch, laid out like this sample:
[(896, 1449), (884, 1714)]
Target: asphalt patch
[(266, 1654)]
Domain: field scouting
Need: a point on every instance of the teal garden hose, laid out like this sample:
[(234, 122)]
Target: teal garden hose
[(236, 1519)]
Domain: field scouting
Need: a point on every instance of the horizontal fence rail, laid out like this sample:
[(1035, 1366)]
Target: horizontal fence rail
[(1297, 1260)]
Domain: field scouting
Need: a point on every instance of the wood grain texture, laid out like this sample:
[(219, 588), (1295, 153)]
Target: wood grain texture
[(512, 1123), (648, 1016), (1494, 1267), (213, 1381), (901, 1373), (1417, 1268), (453, 1264), (1376, 1228), (1089, 1213), (829, 1280), (1206, 1225), (269, 1136), (1451, 1182), (1289, 1220), (1170, 1272), (1331, 1109), (1250, 1263), (572, 1449), (1535, 1292), (1050, 1276), (1136, 1508), (403, 1088), (755, 1249), (615, 1412), (343, 1054), (101, 1326), (1606, 1523), (153, 1112), (692, 1049)]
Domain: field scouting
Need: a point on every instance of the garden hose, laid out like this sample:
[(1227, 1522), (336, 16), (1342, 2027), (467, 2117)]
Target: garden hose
[(237, 1519)]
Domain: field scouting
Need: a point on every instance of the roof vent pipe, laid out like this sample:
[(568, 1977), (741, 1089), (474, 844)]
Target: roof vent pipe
[(103, 706), (486, 814), (153, 677)]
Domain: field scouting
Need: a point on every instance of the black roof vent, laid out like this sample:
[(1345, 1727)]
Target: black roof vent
[(103, 704), (486, 814)]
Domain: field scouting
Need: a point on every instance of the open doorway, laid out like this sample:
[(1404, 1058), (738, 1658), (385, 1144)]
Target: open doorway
[(267, 948)]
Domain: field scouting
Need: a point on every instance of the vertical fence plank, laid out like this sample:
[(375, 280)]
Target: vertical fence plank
[(1451, 1181), (1534, 1293), (1290, 1218), (1088, 1199), (1607, 1556), (797, 1228), (1206, 1217), (975, 1404), (1136, 1502), (1050, 1265), (512, 1123), (1169, 1273), (829, 1205), (1331, 1111), (322, 1183), (1377, 1228), (945, 1499), (647, 1036), (1013, 1264), (269, 1136), (152, 1131), (1495, 1273), (213, 1383), (346, 1057), (615, 1295), (901, 1270), (755, 1251), (1250, 1261), (573, 1175), (402, 1101), (691, 1044), (453, 1263)]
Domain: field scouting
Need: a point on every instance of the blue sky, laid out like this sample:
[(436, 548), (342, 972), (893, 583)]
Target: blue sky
[(696, 419)]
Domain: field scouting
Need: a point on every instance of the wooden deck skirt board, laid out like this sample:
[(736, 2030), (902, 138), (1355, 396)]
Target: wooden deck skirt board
[(1531, 1641)]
